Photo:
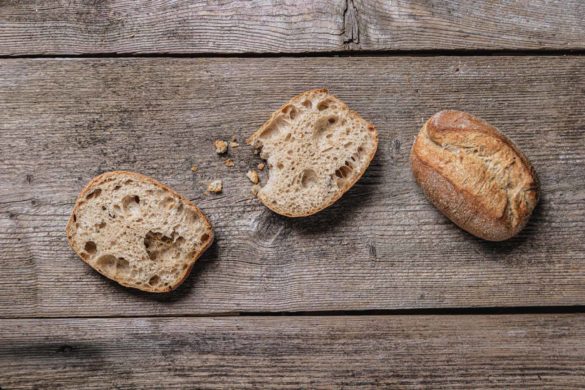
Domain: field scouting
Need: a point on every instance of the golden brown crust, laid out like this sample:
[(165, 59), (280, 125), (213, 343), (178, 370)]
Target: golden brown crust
[(374, 133), (109, 175), (474, 175)]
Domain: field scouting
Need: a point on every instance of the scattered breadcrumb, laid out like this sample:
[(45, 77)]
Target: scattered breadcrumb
[(255, 189), (194, 168), (234, 138), (261, 166), (215, 186), (220, 146), (229, 163), (234, 145), (253, 176)]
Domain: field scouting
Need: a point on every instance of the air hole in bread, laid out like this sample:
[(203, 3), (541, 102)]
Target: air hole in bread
[(204, 238), (162, 248), (90, 247), (94, 194), (101, 225), (323, 105), (155, 280), (343, 172), (274, 129), (112, 265), (308, 178), (332, 120), (307, 103), (290, 111), (131, 204), (116, 188), (279, 165), (287, 138), (74, 218)]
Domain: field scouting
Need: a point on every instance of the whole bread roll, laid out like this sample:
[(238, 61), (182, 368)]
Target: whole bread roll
[(475, 175)]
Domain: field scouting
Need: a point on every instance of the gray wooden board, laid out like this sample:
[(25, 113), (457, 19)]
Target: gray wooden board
[(56, 27), (447, 352), (383, 246)]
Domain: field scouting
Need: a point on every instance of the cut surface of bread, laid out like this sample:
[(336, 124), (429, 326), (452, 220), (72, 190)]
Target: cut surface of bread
[(316, 149), (137, 231)]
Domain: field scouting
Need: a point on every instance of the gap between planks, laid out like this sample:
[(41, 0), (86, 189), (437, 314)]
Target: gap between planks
[(519, 310), (341, 53)]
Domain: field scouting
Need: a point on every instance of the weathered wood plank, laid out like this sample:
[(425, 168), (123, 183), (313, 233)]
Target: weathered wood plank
[(447, 352), (468, 25), (56, 27), (383, 246)]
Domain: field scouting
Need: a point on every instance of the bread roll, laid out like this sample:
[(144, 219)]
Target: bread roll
[(475, 175)]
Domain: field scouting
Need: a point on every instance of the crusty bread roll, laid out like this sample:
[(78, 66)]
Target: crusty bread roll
[(137, 231), (316, 148), (475, 175)]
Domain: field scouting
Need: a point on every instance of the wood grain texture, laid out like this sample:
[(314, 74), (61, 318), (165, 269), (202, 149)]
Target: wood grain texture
[(446, 352), (56, 27), (383, 246)]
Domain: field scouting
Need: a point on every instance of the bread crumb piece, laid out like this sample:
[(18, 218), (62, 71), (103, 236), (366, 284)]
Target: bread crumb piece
[(261, 166), (234, 138), (220, 146), (229, 163), (253, 176), (194, 168), (255, 189), (215, 186), (234, 145)]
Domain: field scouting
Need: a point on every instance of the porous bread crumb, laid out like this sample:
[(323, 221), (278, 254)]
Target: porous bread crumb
[(253, 176), (220, 146), (261, 166), (137, 231), (234, 145), (194, 168), (315, 149), (229, 163), (255, 189), (216, 186)]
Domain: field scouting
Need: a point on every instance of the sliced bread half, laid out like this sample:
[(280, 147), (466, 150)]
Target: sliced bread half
[(137, 231), (316, 149)]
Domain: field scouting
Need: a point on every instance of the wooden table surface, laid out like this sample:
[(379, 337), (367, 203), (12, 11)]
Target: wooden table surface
[(379, 290)]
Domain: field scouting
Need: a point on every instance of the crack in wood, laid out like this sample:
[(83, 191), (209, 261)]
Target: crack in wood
[(351, 29)]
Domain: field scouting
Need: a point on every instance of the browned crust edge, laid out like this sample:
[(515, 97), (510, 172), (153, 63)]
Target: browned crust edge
[(441, 192), (346, 187), (140, 177)]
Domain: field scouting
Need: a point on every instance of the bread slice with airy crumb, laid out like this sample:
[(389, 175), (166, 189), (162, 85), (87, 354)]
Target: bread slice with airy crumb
[(316, 149), (137, 231)]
